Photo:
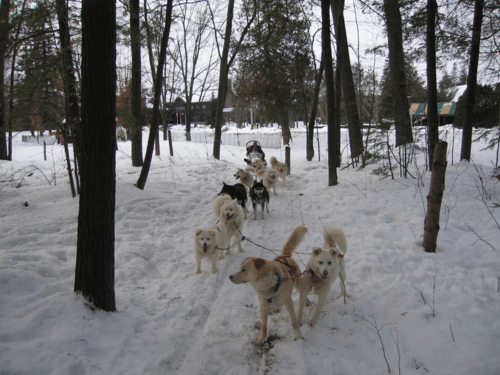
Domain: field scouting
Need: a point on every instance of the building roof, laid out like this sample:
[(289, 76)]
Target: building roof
[(444, 109)]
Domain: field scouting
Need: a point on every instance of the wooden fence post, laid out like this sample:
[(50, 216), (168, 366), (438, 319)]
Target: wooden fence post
[(287, 159), (435, 197)]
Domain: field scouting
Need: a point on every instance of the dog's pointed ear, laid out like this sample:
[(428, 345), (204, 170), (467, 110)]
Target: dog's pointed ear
[(317, 250), (223, 183), (213, 232), (197, 231), (333, 252), (258, 263)]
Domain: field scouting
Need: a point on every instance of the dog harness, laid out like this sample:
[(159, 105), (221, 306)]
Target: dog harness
[(292, 269)]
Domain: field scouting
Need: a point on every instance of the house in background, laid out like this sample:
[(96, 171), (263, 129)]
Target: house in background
[(446, 113), (199, 110)]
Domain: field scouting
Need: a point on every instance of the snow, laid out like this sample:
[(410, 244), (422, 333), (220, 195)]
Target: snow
[(171, 321), (458, 92)]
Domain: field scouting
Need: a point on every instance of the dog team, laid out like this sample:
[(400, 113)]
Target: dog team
[(273, 280)]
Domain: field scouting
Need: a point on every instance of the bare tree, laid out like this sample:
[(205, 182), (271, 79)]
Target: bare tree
[(432, 111), (141, 182), (312, 120), (136, 98), (346, 78), (225, 64), (333, 152), (194, 42), (94, 272), (397, 71), (4, 39), (472, 80)]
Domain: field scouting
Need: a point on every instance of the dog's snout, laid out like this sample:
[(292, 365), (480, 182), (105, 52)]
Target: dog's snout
[(325, 273), (231, 277)]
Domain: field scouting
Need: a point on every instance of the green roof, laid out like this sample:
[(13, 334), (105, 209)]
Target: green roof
[(444, 109)]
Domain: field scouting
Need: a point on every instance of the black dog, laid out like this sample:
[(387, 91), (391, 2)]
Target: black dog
[(259, 195), (237, 191)]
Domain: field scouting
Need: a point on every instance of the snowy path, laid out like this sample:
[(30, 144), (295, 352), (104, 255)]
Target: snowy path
[(171, 321)]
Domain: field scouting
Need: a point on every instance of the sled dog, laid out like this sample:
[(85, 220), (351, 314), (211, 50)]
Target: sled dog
[(270, 179), (230, 223), (274, 281), (245, 177), (280, 167), (260, 197), (205, 246), (236, 191), (258, 164), (324, 266)]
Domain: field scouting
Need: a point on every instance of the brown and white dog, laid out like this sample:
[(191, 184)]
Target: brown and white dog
[(322, 270), (245, 177), (280, 167), (274, 281)]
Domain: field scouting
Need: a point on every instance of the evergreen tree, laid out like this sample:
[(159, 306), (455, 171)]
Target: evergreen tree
[(276, 59)]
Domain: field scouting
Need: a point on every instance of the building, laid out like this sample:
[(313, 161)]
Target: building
[(446, 113)]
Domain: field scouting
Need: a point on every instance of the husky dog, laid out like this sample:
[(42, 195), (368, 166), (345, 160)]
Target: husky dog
[(205, 246), (245, 177), (259, 196), (280, 167), (236, 191), (274, 281), (230, 215), (322, 269)]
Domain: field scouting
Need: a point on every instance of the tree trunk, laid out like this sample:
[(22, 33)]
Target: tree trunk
[(221, 98), (94, 272), (472, 81), (69, 83), (4, 39), (141, 182), (344, 64), (314, 109), (398, 75), (432, 111), (435, 197), (333, 152), (135, 45)]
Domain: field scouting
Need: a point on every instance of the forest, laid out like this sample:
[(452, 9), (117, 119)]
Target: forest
[(85, 67)]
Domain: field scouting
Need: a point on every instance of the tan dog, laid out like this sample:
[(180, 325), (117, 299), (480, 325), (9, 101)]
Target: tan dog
[(269, 178), (322, 270), (274, 281), (245, 177), (230, 224), (205, 246), (258, 164), (280, 167)]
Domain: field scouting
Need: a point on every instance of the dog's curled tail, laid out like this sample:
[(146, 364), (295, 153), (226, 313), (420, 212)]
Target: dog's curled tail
[(335, 237), (294, 240)]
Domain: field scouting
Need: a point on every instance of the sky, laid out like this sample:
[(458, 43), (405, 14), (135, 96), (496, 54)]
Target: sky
[(407, 310)]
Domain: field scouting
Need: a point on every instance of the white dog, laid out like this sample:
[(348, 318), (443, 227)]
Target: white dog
[(245, 177), (230, 224), (274, 281), (258, 164), (282, 168), (322, 270), (270, 179), (205, 246)]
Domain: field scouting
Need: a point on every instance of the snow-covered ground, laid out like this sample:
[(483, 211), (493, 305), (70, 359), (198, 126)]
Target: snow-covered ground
[(171, 321)]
